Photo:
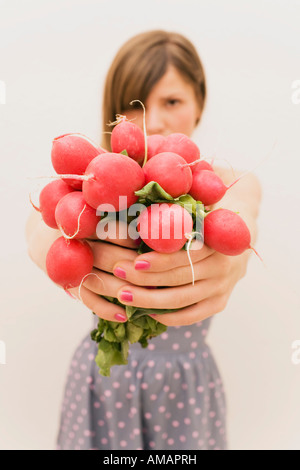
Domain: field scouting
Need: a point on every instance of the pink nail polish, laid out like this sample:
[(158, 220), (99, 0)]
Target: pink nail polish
[(119, 272), (120, 317), (126, 296), (142, 265)]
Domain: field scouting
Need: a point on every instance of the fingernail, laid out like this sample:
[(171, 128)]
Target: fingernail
[(119, 272), (120, 317), (142, 265), (126, 296)]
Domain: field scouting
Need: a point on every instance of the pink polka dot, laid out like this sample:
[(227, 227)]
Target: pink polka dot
[(180, 405), (75, 427), (77, 376), (192, 401), (152, 444), (166, 388), (121, 424), (104, 440), (91, 357), (151, 363), (144, 386), (200, 443), (175, 346), (192, 355), (84, 412), (200, 389), (73, 406), (172, 396), (188, 334), (164, 435), (83, 389), (182, 438), (101, 422), (129, 396), (89, 380), (132, 388), (195, 434), (78, 397), (148, 415), (134, 363), (111, 433), (204, 420), (205, 354), (164, 336), (119, 405), (204, 332), (168, 365), (187, 421), (211, 442), (80, 441), (157, 428), (184, 386), (218, 423), (127, 374), (87, 433), (175, 424), (186, 365), (139, 375), (69, 414), (83, 367), (153, 397), (197, 411), (136, 432), (116, 384), (108, 414), (162, 409), (211, 385), (170, 442), (86, 345), (168, 415), (133, 410), (107, 393), (80, 419), (158, 376), (176, 375), (194, 344), (151, 347), (211, 414), (71, 435)]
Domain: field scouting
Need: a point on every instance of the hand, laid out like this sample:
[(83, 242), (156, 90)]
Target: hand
[(215, 277)]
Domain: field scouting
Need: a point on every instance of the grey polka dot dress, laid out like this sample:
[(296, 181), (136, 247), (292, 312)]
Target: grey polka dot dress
[(169, 397)]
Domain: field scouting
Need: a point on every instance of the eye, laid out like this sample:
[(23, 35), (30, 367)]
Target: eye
[(172, 102)]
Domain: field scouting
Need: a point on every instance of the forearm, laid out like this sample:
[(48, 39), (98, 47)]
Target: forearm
[(39, 238)]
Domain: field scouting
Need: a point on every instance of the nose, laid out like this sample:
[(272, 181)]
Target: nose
[(154, 121)]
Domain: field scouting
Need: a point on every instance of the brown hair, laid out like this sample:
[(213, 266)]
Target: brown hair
[(139, 65)]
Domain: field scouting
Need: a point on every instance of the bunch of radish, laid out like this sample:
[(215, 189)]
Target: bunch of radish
[(167, 177)]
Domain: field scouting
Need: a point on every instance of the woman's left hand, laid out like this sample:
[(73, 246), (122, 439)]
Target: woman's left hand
[(215, 276)]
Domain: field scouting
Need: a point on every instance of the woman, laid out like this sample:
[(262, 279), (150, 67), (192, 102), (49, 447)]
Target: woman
[(170, 395)]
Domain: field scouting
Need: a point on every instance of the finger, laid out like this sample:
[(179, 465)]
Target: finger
[(101, 307), (194, 313), (106, 255), (168, 297), (157, 262), (205, 269), (116, 232), (103, 283)]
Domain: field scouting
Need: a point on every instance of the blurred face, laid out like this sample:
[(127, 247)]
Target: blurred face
[(171, 106)]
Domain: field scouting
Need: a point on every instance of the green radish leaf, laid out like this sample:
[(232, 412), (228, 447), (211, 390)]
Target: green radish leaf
[(124, 152), (152, 193)]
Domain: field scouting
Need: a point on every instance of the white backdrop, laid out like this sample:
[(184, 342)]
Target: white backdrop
[(54, 55)]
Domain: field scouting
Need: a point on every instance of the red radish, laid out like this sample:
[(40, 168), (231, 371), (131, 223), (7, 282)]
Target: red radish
[(155, 142), (226, 232), (163, 227), (208, 187), (169, 170), (128, 136), (182, 145), (74, 217), (71, 153), (110, 176), (69, 261), (202, 165), (49, 198)]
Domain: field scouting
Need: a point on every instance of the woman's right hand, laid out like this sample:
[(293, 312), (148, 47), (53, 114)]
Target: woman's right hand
[(106, 254)]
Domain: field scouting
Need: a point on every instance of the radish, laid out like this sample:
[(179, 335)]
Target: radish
[(69, 261), (155, 142), (110, 176), (202, 165), (71, 153), (226, 232), (128, 136), (74, 217), (164, 227), (182, 145), (169, 170), (208, 187), (49, 198)]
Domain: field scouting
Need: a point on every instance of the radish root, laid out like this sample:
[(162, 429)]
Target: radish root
[(69, 237), (190, 237), (144, 128)]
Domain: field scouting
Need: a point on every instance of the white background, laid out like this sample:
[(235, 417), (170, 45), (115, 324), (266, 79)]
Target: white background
[(53, 59)]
